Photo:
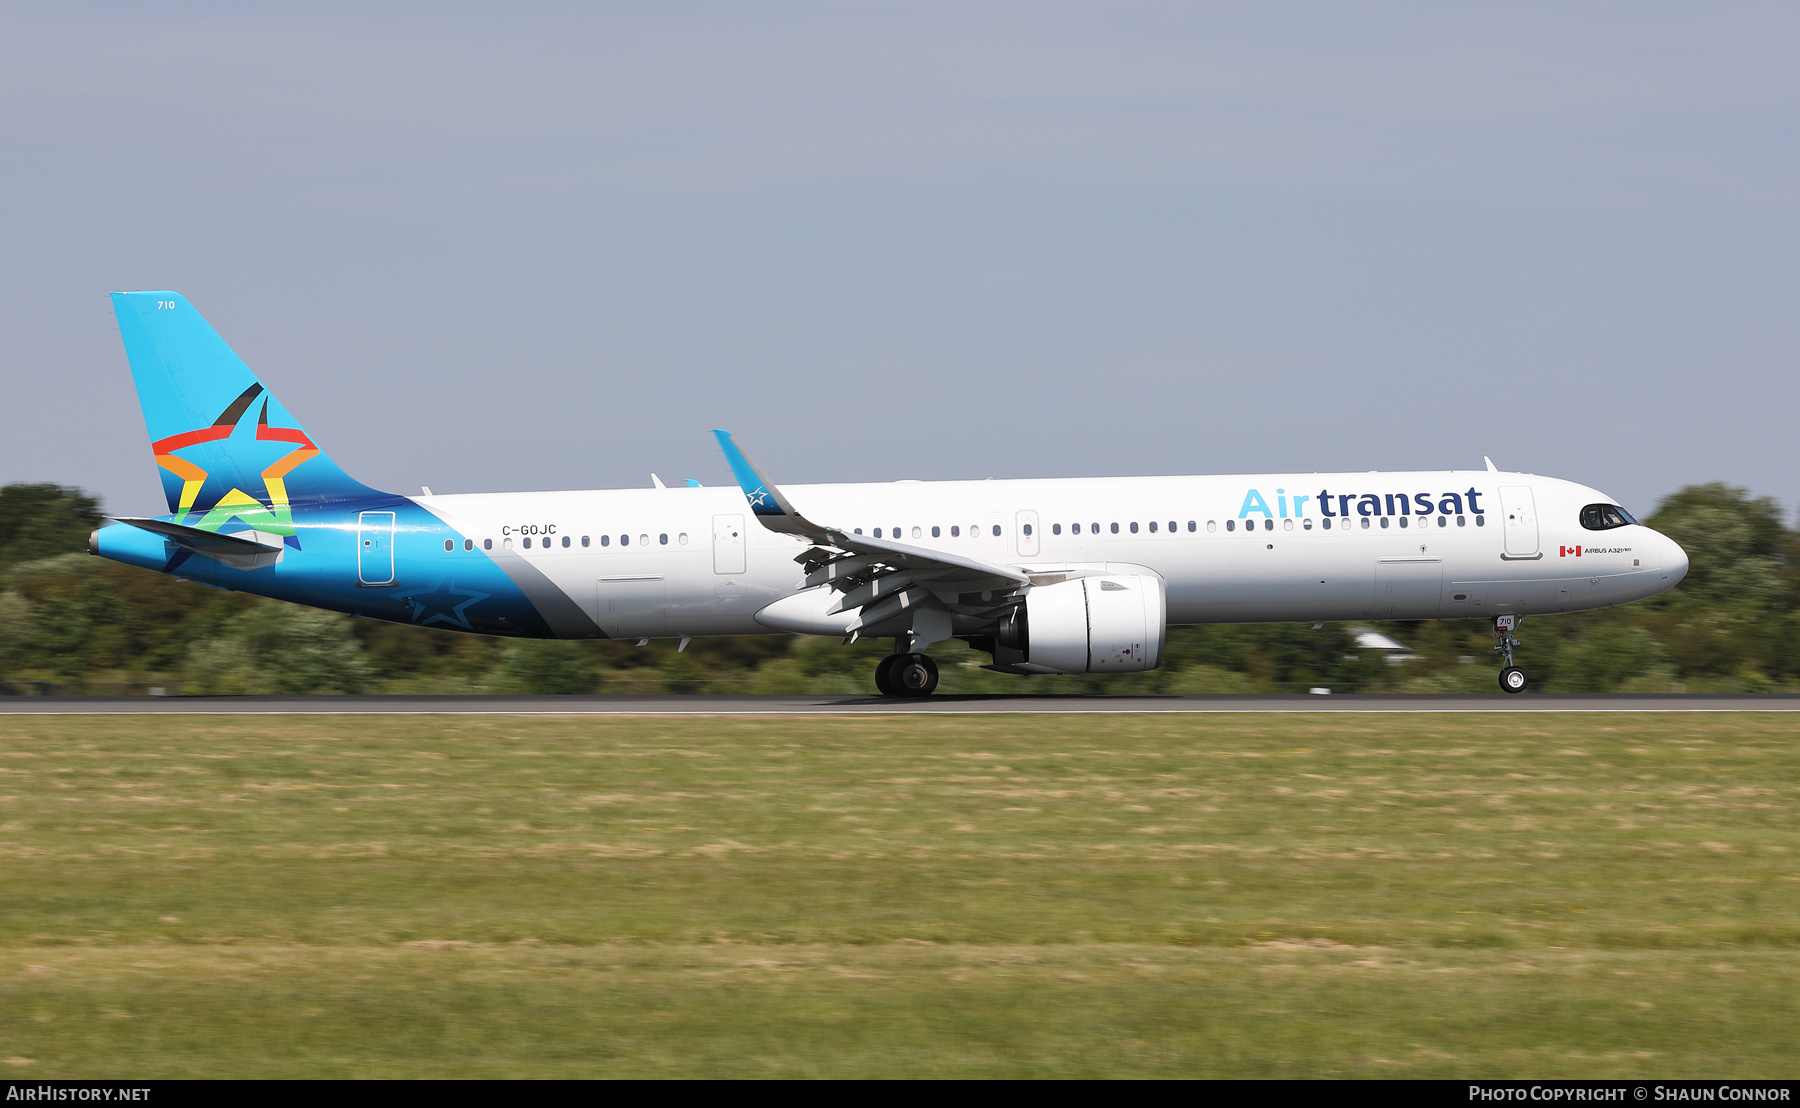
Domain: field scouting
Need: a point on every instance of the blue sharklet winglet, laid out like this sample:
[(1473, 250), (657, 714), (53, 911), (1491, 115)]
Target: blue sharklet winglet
[(771, 509)]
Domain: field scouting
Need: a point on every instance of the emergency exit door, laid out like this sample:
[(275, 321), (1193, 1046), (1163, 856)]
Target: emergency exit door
[(728, 544), (1025, 526)]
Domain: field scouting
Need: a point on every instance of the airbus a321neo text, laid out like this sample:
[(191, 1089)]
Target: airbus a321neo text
[(1048, 576)]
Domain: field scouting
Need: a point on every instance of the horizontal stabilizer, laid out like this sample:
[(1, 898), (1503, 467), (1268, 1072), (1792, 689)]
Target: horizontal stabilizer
[(233, 550)]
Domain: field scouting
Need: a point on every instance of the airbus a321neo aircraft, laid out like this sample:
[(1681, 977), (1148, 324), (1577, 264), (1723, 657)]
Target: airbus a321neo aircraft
[(1048, 576)]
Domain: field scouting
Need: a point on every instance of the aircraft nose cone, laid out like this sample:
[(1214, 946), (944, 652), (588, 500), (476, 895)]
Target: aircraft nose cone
[(1675, 562)]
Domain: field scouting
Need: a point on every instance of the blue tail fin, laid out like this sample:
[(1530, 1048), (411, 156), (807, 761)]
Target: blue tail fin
[(226, 446)]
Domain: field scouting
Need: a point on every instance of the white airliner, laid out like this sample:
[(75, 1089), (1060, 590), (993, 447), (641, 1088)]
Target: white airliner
[(1049, 576)]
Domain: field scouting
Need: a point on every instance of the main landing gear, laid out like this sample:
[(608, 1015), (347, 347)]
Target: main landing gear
[(1512, 678), (906, 675)]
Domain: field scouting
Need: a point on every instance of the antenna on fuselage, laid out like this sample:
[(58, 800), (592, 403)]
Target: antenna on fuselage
[(1490, 464)]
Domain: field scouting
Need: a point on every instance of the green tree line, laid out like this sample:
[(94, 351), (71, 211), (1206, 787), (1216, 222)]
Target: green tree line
[(70, 622)]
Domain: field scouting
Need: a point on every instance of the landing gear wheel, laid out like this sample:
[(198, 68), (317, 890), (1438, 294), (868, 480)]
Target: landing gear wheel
[(884, 676), (914, 675), (1513, 679)]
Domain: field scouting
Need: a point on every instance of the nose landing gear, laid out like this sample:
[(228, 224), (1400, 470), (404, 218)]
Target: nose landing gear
[(906, 675), (1512, 677)]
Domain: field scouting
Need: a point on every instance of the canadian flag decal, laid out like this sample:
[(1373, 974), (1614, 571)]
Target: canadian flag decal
[(1568, 550)]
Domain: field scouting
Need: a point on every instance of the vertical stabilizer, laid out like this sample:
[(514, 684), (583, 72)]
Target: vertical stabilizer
[(226, 447)]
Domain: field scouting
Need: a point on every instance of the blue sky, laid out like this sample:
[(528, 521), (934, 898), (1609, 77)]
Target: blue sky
[(488, 248)]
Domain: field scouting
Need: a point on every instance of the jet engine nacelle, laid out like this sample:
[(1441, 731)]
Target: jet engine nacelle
[(1110, 624)]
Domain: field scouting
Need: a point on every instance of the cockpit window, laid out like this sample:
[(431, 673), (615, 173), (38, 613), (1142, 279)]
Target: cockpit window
[(1604, 517)]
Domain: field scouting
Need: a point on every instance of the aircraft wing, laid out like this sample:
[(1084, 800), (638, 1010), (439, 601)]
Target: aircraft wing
[(880, 578)]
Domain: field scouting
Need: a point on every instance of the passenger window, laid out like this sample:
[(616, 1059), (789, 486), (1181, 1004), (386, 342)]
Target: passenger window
[(584, 540), (935, 533), (1231, 525), (1094, 528), (449, 544), (1384, 522), (1306, 524), (528, 544), (1056, 528), (858, 531), (487, 544), (1211, 525), (1481, 521), (894, 531), (1287, 525), (955, 532), (1442, 522), (1133, 528), (1403, 521), (682, 538), (663, 539), (1153, 527), (565, 542), (996, 530), (1027, 529), (1461, 521), (1115, 528), (624, 540), (1365, 523), (468, 544), (1325, 523), (506, 544), (917, 533), (1191, 525), (877, 532)]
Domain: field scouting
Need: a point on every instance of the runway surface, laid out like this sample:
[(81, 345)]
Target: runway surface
[(873, 705)]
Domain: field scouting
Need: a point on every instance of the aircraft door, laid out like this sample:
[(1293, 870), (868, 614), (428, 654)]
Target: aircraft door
[(1025, 525), (728, 544), (375, 548), (1520, 512)]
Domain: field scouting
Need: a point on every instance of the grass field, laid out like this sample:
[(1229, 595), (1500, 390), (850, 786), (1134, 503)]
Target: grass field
[(1247, 895)]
